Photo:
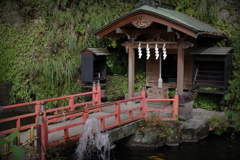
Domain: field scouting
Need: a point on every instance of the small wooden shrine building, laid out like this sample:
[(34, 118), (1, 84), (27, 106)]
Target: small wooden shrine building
[(155, 27)]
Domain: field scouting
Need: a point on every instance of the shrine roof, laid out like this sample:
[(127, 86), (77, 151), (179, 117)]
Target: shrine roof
[(168, 17)]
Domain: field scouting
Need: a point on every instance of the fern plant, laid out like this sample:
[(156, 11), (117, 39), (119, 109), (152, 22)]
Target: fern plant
[(17, 152)]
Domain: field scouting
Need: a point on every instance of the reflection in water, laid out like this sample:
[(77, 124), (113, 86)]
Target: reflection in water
[(211, 148)]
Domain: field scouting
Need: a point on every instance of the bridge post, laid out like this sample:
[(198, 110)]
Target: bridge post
[(143, 102), (71, 103), (175, 105), (43, 109), (37, 109), (117, 110), (99, 94), (42, 136), (94, 89), (38, 131), (85, 115)]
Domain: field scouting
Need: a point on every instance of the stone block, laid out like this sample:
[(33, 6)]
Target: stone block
[(136, 94), (185, 111), (158, 93), (193, 130)]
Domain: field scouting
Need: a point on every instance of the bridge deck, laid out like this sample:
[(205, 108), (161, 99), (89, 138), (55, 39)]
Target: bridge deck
[(56, 136)]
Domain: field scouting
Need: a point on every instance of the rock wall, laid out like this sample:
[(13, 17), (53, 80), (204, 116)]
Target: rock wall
[(191, 130)]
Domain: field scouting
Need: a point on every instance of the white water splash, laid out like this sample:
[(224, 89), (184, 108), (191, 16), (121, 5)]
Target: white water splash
[(92, 139)]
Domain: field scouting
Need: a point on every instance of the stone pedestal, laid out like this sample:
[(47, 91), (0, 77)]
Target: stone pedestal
[(158, 93), (136, 94)]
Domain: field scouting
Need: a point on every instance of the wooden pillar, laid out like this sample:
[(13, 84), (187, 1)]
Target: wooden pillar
[(180, 68), (131, 72)]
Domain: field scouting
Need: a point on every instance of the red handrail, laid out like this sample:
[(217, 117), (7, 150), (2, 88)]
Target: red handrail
[(71, 106), (45, 120)]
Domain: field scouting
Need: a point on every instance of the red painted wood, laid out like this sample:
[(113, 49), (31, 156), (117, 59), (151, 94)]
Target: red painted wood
[(85, 114)]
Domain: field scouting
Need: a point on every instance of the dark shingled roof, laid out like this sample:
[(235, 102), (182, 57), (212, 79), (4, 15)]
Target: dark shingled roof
[(97, 51), (192, 23), (212, 51)]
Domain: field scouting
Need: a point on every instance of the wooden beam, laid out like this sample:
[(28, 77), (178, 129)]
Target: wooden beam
[(141, 31), (144, 15), (171, 24), (169, 45), (131, 72), (180, 67), (118, 24)]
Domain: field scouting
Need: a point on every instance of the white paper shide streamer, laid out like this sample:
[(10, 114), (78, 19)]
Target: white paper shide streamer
[(156, 51), (139, 51), (164, 52), (148, 51)]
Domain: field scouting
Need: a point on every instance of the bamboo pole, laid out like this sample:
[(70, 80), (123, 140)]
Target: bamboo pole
[(6, 145), (32, 141)]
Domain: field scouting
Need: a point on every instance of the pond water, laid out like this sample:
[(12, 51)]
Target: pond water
[(211, 148)]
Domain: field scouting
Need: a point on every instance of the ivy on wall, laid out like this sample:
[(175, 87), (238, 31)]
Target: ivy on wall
[(40, 43)]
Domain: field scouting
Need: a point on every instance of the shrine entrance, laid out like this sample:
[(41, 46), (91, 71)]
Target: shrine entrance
[(166, 37)]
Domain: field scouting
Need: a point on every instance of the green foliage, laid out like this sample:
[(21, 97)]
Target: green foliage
[(230, 122), (233, 92), (209, 11), (153, 123), (233, 120), (53, 154), (40, 44), (171, 93), (218, 124), (17, 152), (117, 63), (117, 86), (207, 101), (206, 10), (140, 80)]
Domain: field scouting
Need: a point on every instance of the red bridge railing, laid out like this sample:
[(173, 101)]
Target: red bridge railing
[(43, 119)]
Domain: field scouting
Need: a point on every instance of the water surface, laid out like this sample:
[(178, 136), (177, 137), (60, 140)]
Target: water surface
[(211, 148)]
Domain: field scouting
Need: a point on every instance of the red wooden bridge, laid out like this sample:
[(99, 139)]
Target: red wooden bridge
[(45, 119)]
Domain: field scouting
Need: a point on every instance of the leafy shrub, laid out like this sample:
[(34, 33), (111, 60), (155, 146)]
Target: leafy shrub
[(41, 56), (53, 153), (17, 152), (149, 125), (233, 92), (207, 101), (233, 120), (171, 93), (117, 86), (218, 124)]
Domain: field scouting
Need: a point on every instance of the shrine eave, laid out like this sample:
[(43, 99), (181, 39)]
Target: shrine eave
[(176, 20)]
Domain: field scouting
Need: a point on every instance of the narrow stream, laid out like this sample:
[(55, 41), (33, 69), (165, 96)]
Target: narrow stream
[(211, 148)]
